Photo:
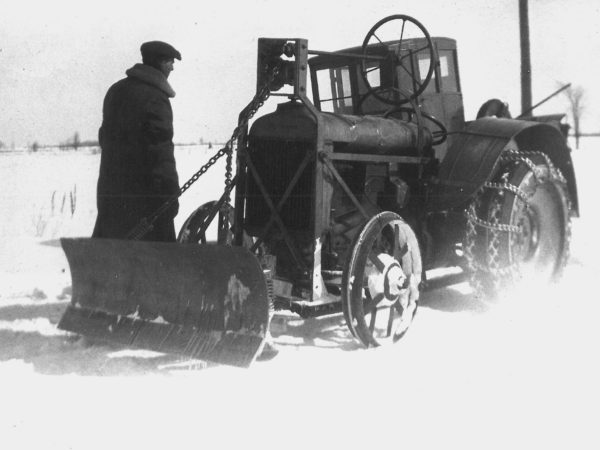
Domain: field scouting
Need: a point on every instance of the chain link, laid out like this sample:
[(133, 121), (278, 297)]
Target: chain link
[(492, 225), (487, 259), (507, 156), (520, 157), (257, 102), (553, 171), (510, 188)]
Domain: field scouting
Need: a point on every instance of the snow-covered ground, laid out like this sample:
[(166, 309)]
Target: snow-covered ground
[(522, 373)]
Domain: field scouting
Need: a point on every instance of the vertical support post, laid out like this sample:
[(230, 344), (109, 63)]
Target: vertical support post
[(320, 207), (240, 188), (525, 56), (301, 67), (320, 213)]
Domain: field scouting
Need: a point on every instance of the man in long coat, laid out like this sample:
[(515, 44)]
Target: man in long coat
[(137, 166)]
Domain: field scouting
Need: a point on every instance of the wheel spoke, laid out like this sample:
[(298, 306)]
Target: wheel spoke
[(398, 307), (411, 75), (410, 52), (416, 51), (380, 41), (373, 319), (203, 227), (390, 321), (399, 251), (376, 262), (401, 37), (398, 53), (371, 302), (199, 235), (396, 243)]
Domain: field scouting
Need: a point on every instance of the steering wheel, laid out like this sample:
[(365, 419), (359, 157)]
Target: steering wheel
[(440, 135), (389, 48)]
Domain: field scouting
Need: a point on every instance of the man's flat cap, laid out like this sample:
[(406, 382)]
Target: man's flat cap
[(159, 49)]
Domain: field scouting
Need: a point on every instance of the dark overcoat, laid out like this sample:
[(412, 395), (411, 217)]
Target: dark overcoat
[(137, 165)]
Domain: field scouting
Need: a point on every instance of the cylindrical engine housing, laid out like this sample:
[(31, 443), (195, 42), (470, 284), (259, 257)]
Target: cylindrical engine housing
[(354, 134)]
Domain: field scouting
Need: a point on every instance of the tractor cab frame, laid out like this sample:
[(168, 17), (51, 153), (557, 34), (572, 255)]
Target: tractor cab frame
[(338, 86)]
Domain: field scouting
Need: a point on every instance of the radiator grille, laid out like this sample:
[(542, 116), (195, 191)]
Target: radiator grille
[(276, 163)]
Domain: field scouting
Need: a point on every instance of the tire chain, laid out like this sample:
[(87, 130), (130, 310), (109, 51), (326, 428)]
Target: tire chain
[(498, 274), (146, 224)]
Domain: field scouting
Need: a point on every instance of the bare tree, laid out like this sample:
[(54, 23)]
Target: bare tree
[(76, 141), (575, 96)]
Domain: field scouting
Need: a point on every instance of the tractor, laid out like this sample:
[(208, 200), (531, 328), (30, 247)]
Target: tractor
[(348, 198)]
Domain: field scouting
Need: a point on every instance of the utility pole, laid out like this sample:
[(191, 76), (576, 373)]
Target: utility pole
[(525, 56)]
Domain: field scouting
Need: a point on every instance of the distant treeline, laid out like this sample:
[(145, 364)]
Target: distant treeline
[(75, 143), (63, 146), (89, 144)]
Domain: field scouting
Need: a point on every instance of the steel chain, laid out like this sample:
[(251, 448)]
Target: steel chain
[(498, 274), (510, 188), (520, 157), (554, 172), (558, 175), (470, 246), (257, 102), (490, 256), (507, 156), (491, 225)]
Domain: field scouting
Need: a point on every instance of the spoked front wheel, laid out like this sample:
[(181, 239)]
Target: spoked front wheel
[(380, 285)]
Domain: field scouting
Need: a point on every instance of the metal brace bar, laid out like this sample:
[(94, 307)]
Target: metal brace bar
[(283, 199), (343, 184), (378, 158), (274, 213)]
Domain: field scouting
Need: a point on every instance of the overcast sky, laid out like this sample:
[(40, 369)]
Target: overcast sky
[(59, 57)]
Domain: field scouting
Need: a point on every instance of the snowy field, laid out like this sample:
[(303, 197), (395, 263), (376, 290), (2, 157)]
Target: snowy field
[(521, 373)]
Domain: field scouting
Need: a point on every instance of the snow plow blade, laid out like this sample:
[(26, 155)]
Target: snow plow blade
[(208, 302)]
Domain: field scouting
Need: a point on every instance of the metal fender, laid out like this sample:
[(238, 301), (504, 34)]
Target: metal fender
[(474, 154)]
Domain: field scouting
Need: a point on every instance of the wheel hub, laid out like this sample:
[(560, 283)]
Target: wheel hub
[(528, 240), (391, 282)]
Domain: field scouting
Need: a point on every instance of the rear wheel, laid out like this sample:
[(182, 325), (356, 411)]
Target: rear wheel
[(380, 285), (519, 225)]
